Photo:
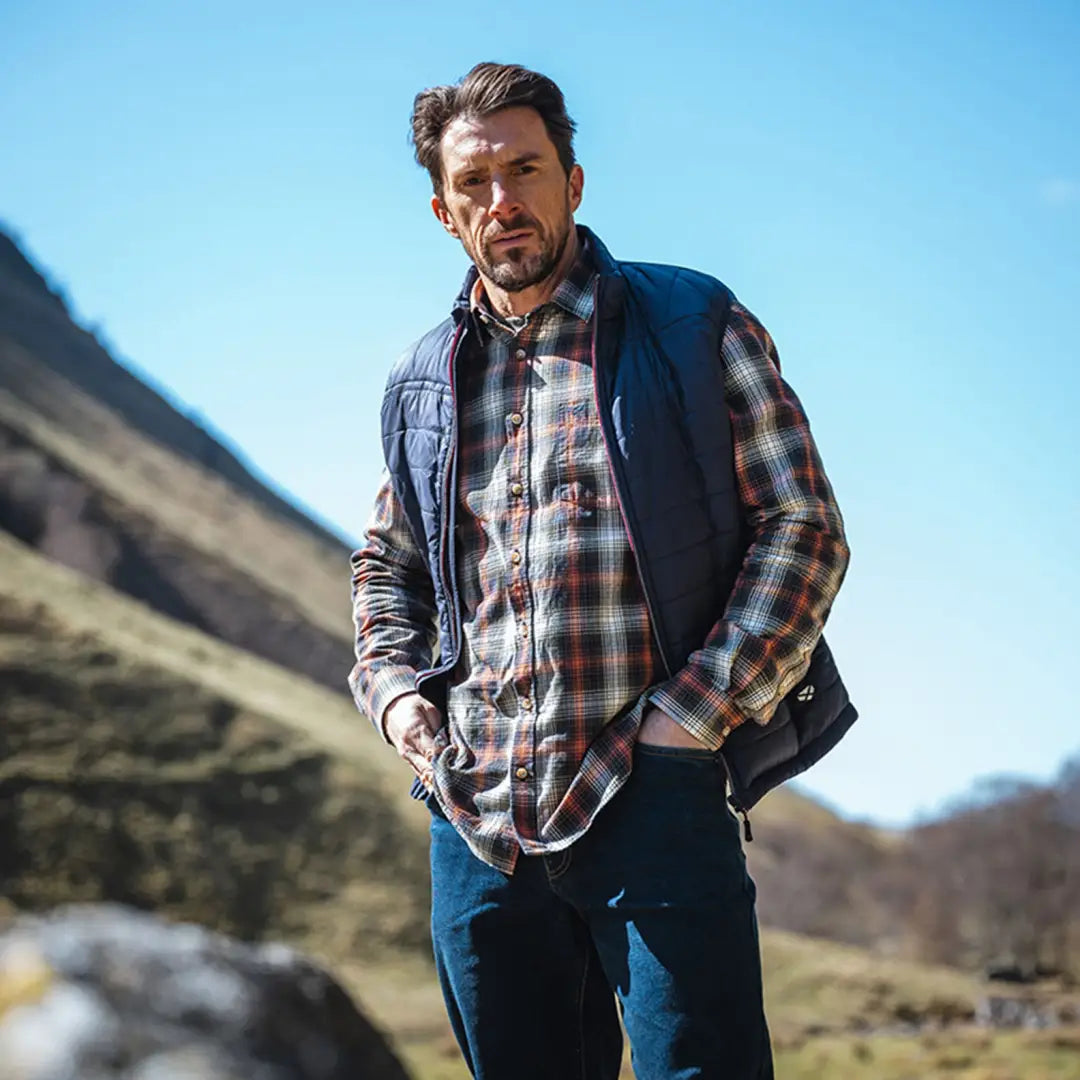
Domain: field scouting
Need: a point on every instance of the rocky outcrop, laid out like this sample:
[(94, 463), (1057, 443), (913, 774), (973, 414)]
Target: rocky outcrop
[(108, 993)]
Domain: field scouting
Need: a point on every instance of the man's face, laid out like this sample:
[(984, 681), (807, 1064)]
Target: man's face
[(506, 196)]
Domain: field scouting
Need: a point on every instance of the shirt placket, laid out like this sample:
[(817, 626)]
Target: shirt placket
[(520, 435)]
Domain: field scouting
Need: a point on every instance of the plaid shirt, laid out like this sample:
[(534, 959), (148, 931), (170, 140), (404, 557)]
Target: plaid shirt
[(559, 660)]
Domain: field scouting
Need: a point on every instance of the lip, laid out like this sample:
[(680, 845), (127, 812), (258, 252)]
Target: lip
[(513, 238)]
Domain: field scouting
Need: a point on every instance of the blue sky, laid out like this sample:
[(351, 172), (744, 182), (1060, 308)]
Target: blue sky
[(227, 191)]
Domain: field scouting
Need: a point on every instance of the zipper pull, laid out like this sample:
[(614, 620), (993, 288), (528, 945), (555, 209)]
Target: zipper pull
[(735, 805)]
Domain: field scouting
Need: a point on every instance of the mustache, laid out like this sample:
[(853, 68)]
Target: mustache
[(522, 221)]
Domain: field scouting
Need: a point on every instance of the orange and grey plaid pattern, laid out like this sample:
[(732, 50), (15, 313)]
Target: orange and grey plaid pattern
[(559, 660)]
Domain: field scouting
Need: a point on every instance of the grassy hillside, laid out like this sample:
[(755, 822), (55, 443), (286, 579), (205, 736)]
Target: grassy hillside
[(144, 761), (86, 490), (183, 499), (836, 1013)]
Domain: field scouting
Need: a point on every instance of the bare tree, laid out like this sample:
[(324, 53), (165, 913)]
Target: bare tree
[(999, 876)]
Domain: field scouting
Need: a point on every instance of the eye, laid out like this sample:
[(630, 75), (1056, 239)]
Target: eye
[(471, 181), (523, 170)]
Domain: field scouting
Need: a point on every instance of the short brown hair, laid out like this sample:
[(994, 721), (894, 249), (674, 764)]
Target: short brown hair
[(487, 89)]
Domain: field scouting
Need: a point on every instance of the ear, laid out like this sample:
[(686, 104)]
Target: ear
[(439, 209), (576, 182)]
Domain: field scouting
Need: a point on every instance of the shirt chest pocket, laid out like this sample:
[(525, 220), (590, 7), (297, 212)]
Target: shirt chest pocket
[(580, 458)]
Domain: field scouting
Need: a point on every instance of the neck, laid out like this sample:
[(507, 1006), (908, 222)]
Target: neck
[(521, 303)]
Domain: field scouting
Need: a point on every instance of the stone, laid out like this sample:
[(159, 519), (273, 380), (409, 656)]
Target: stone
[(105, 992)]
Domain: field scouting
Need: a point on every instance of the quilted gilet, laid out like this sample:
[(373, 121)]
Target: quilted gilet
[(660, 399)]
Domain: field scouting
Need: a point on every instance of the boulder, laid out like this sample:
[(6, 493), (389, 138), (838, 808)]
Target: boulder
[(105, 992)]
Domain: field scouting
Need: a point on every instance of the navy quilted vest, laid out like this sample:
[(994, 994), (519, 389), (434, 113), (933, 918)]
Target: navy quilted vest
[(660, 399)]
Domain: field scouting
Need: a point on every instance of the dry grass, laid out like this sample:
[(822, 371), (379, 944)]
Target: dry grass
[(962, 1054), (811, 985)]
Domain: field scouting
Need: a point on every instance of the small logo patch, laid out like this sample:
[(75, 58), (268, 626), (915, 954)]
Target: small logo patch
[(806, 693)]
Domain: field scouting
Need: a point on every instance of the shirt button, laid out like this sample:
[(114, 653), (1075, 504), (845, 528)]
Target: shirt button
[(526, 703), (517, 489), (515, 557), (516, 419), (521, 354), (521, 772)]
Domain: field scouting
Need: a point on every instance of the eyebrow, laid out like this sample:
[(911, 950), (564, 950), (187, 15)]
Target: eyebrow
[(522, 159)]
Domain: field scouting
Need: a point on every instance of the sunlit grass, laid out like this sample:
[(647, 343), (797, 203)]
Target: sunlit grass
[(815, 985), (959, 1054)]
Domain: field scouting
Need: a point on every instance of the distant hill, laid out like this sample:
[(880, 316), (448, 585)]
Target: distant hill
[(36, 319), (101, 473), (822, 875)]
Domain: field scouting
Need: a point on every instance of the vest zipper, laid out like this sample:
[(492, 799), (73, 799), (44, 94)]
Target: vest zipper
[(735, 803), (600, 416), (450, 499)]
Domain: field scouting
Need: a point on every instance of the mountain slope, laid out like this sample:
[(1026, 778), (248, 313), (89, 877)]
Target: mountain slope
[(145, 762), (37, 320), (100, 473)]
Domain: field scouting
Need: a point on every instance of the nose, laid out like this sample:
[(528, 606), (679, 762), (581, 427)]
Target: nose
[(504, 202)]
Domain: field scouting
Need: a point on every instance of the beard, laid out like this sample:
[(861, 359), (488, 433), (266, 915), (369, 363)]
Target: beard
[(517, 269)]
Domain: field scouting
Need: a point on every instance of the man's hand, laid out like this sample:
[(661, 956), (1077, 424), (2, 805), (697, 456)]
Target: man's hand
[(411, 724), (658, 729)]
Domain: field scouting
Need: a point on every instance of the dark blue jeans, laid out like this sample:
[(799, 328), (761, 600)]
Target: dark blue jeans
[(653, 906)]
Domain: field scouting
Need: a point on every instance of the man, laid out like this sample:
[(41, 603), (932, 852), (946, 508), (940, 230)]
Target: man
[(605, 509)]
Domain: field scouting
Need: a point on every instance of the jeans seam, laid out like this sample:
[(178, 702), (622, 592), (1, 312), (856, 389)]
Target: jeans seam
[(581, 1013)]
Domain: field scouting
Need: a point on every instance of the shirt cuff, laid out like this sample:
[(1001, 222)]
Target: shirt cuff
[(692, 701), (385, 687)]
